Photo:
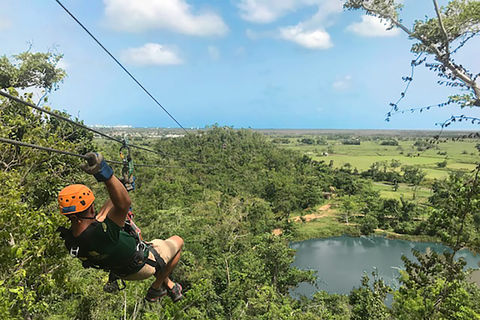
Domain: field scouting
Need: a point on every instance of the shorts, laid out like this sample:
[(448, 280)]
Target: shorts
[(167, 249)]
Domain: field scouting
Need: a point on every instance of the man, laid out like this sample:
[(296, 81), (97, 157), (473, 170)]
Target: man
[(100, 241)]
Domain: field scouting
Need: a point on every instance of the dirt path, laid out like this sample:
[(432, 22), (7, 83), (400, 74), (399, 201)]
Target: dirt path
[(389, 232), (310, 217), (323, 211)]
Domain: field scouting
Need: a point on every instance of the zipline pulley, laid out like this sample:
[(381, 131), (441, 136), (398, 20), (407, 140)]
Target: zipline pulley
[(126, 155)]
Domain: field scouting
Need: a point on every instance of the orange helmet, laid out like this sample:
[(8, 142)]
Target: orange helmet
[(75, 198)]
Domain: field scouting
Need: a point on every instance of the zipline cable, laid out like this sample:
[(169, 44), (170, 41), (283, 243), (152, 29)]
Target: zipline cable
[(24, 144), (6, 95), (34, 146), (121, 66)]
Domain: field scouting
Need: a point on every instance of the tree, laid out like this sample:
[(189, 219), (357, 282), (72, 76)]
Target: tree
[(368, 301), (349, 207), (435, 287), (415, 176), (442, 164), (29, 69), (395, 163), (368, 225), (439, 37), (456, 217), (32, 268)]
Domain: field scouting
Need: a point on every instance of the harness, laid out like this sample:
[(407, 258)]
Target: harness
[(78, 248)]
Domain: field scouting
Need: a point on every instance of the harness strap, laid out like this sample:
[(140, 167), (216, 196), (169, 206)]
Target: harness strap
[(159, 263)]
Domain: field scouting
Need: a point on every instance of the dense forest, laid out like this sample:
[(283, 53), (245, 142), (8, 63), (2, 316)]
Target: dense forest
[(223, 191)]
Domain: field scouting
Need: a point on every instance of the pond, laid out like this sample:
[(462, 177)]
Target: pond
[(341, 261)]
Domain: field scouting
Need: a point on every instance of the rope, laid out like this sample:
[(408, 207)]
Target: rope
[(121, 66), (6, 95), (34, 146)]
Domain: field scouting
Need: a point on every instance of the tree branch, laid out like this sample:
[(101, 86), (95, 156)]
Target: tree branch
[(456, 70), (442, 27)]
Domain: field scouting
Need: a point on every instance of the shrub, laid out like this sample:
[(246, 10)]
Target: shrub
[(442, 164), (368, 225)]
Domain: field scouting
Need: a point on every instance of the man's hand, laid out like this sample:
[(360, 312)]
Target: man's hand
[(97, 166)]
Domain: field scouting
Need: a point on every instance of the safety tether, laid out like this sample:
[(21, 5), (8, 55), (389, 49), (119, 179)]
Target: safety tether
[(127, 160)]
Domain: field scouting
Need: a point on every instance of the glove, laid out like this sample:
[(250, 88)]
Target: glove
[(129, 183), (97, 166)]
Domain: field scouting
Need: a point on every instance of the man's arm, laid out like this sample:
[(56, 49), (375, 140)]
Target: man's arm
[(120, 200)]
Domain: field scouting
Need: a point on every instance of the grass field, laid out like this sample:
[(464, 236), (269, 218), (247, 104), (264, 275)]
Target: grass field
[(460, 155), (404, 190)]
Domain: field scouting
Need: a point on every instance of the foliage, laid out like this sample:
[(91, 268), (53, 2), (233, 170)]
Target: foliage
[(413, 175), (355, 142), (28, 70), (32, 270), (456, 218), (349, 208), (368, 301), (433, 289), (368, 225), (389, 143), (442, 164)]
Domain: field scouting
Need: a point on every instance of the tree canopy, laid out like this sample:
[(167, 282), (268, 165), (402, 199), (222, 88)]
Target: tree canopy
[(27, 69)]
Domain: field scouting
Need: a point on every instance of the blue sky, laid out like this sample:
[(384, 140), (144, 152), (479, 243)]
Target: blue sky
[(242, 63)]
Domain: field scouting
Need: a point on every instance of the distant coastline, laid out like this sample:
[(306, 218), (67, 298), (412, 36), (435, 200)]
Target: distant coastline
[(299, 132)]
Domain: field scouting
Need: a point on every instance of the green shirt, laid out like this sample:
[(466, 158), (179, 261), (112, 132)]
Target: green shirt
[(108, 242)]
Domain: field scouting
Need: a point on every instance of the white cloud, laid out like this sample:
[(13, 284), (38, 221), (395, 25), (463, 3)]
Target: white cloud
[(174, 15), (213, 52), (314, 39), (310, 33), (342, 83), (372, 27), (327, 11), (266, 11), (150, 54)]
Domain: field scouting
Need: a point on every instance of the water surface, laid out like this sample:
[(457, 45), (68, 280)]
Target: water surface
[(341, 261)]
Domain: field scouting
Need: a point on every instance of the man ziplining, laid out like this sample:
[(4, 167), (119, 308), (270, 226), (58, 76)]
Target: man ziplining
[(100, 241)]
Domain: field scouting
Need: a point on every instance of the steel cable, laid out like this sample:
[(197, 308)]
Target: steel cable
[(6, 95), (121, 66), (34, 146)]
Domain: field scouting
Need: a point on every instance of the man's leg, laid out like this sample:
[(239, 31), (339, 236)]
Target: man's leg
[(163, 277)]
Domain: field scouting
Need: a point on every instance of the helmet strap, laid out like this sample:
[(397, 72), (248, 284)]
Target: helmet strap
[(88, 218)]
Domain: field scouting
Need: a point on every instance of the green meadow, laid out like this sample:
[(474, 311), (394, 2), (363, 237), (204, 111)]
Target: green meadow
[(404, 191), (414, 149), (460, 155)]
